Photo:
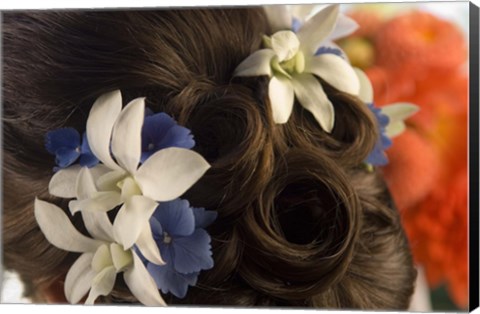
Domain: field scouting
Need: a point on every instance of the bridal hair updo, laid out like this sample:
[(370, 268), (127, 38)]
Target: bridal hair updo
[(301, 222)]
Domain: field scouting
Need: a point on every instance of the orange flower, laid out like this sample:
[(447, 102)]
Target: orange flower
[(443, 120), (390, 86), (437, 229), (412, 170), (421, 41), (369, 21), (419, 58), (359, 46), (427, 175)]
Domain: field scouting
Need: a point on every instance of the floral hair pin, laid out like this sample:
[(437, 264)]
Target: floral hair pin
[(138, 164), (293, 56), (390, 119), (301, 48)]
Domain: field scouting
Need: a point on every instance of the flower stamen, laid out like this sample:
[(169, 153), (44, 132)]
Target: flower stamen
[(167, 239)]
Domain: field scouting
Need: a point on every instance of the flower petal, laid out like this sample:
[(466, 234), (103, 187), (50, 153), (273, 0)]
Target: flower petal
[(161, 131), (156, 229), (129, 188), (192, 253), (366, 89), (285, 44), (100, 201), (280, 93), (203, 218), (66, 156), (62, 138), (332, 48), (85, 186), (177, 136), (148, 247), (100, 123), (302, 11), (121, 258), (311, 96), (141, 284), (398, 113), (96, 221), (335, 71), (344, 27), (127, 135), (109, 181), (102, 284), (59, 231), (98, 225), (278, 17), (170, 172), (87, 158), (176, 217), (165, 248), (169, 280), (102, 258), (257, 64), (132, 217), (377, 157), (79, 278), (98, 171), (63, 183), (317, 29)]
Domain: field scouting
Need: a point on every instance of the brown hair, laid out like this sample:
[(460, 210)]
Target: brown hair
[(300, 221)]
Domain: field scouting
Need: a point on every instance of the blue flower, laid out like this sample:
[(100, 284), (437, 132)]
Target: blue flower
[(161, 131), (67, 147), (184, 245), (377, 157)]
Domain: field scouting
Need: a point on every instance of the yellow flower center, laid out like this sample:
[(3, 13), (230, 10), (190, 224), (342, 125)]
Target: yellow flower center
[(294, 65), (128, 187), (108, 255)]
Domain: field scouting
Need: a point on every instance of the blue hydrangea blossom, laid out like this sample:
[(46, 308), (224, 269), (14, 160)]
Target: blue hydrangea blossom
[(161, 131), (184, 245), (377, 157), (66, 145)]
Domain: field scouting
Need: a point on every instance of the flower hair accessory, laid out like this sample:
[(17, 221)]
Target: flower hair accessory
[(390, 120), (294, 55), (138, 165), (301, 48)]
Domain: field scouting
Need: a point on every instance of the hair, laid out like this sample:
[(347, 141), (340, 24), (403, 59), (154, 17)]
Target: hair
[(300, 221)]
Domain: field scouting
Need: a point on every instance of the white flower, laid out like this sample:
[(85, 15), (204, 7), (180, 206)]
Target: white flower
[(396, 112), (290, 61), (280, 17), (164, 176), (101, 259)]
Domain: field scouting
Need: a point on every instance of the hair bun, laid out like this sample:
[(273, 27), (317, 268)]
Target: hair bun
[(300, 233)]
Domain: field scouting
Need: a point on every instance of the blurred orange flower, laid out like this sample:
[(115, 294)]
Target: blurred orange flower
[(369, 20), (420, 40), (419, 58)]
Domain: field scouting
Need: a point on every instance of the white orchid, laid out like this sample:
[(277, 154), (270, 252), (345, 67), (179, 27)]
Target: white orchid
[(280, 16), (289, 60), (102, 257), (396, 112), (119, 180)]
